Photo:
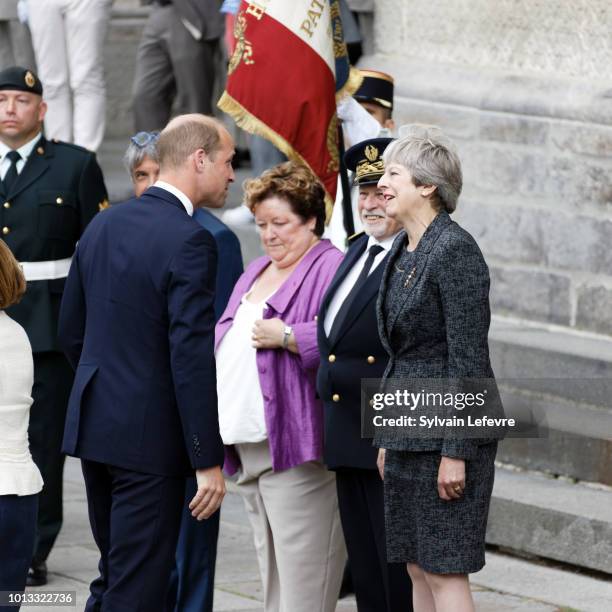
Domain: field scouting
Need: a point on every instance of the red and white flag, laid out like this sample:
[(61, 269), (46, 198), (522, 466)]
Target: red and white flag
[(288, 66)]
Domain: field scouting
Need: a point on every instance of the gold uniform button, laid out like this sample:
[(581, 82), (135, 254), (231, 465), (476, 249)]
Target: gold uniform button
[(59, 201), (6, 230), (40, 150), (335, 397), (371, 359), (7, 205), (331, 358)]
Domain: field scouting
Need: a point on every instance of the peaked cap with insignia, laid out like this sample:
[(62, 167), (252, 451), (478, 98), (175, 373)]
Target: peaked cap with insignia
[(365, 160), (20, 79), (376, 88)]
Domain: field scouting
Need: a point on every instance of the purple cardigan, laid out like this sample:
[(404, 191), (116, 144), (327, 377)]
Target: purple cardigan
[(294, 416)]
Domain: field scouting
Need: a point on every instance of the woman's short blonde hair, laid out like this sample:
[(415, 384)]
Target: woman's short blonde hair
[(430, 157), (12, 281), (294, 183)]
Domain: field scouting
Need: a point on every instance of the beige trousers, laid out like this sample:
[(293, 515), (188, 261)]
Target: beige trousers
[(297, 531)]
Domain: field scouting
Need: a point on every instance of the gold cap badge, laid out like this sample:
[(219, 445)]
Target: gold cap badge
[(29, 79), (371, 152), (365, 159), (103, 205)]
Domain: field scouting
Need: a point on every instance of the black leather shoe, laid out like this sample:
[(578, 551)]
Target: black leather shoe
[(37, 574)]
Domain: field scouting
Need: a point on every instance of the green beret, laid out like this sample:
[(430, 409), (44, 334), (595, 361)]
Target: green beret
[(20, 79)]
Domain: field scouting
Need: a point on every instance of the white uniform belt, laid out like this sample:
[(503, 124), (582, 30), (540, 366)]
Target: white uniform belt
[(46, 270)]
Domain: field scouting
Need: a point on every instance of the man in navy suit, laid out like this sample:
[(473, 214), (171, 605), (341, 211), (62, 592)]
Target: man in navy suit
[(192, 582), (350, 350), (137, 323)]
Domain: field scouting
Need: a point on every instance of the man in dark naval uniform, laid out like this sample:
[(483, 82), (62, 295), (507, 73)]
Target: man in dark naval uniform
[(49, 191), (350, 350)]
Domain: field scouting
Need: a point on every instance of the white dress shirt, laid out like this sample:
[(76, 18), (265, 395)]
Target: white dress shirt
[(18, 473), (351, 278), (25, 151), (185, 201)]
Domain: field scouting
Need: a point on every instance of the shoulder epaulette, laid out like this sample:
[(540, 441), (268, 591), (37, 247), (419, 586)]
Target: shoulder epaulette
[(63, 143), (354, 237)]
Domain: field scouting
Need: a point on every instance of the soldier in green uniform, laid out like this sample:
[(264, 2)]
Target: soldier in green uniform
[(49, 191)]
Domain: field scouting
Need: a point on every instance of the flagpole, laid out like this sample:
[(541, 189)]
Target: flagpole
[(347, 205)]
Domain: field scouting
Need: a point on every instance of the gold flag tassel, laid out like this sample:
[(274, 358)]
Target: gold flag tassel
[(250, 123)]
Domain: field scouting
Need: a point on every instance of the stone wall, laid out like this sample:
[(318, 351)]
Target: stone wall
[(525, 89), (569, 38)]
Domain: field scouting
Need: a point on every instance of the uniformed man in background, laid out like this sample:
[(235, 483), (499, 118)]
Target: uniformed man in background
[(364, 115), (351, 350), (49, 191)]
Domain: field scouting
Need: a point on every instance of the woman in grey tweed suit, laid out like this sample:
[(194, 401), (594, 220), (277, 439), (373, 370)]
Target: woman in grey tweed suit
[(433, 316)]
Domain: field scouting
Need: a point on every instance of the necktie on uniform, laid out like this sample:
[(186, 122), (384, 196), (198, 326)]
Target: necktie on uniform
[(373, 251), (11, 174)]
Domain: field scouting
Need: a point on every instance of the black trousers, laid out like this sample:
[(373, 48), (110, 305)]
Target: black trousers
[(17, 527), (135, 520), (379, 586), (53, 378)]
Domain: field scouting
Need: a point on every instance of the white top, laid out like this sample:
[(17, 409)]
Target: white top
[(351, 278), (357, 123), (241, 407), (175, 191), (25, 151), (18, 473)]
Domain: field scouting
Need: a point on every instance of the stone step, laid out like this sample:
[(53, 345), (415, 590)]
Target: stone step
[(536, 583), (568, 377), (553, 518)]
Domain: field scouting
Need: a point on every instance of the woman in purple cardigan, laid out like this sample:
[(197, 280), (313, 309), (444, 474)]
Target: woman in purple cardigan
[(270, 418)]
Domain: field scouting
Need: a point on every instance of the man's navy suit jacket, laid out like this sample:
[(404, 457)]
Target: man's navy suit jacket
[(230, 265), (137, 324)]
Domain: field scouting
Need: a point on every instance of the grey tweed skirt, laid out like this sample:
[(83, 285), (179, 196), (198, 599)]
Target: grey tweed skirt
[(442, 537)]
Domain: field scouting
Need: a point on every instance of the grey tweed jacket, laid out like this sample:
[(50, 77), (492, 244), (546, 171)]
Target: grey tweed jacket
[(440, 329)]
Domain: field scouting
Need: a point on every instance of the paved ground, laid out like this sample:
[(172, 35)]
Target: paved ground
[(506, 584)]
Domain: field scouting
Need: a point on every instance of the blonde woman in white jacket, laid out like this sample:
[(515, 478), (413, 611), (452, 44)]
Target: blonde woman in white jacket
[(20, 480)]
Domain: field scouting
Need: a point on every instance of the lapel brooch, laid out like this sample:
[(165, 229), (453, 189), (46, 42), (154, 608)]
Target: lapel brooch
[(410, 277), (410, 274)]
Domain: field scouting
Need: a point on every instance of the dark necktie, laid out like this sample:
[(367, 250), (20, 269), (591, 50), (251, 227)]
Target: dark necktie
[(373, 251), (11, 174)]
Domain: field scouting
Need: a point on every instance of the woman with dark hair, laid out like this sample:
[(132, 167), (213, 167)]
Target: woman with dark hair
[(269, 416), (20, 479), (433, 316)]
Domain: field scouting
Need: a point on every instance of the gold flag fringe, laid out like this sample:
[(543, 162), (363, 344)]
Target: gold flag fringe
[(248, 122), (353, 83)]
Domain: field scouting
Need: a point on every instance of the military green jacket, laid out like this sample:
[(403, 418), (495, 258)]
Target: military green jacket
[(58, 192)]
